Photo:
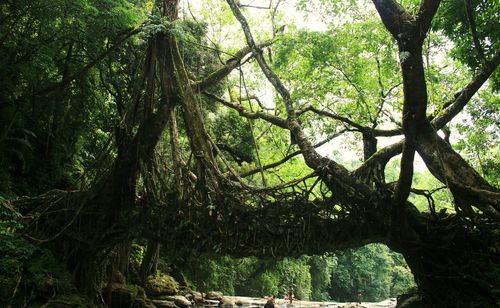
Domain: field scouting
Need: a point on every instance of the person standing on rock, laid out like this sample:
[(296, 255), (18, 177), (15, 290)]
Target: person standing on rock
[(290, 294), (360, 297)]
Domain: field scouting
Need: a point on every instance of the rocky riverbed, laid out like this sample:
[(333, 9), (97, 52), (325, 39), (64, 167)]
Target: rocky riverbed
[(162, 291), (249, 302)]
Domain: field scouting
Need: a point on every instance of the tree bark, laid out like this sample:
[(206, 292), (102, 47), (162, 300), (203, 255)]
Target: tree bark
[(148, 265)]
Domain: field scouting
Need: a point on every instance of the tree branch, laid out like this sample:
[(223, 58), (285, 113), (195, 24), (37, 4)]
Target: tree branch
[(405, 176), (90, 65), (289, 156), (359, 127), (381, 158), (248, 114), (473, 30), (454, 107), (465, 95), (232, 63), (311, 157), (393, 16), (426, 12)]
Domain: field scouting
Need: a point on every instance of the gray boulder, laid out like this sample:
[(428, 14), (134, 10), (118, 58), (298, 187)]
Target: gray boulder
[(224, 301), (213, 295), (179, 300)]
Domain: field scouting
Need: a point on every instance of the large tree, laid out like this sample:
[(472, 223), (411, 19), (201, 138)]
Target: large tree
[(174, 173)]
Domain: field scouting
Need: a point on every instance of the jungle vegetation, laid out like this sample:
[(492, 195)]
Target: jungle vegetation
[(251, 145)]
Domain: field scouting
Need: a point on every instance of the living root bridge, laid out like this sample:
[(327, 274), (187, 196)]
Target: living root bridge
[(445, 253), (254, 224)]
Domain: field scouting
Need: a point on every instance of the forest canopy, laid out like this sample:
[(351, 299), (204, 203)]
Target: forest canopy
[(271, 129)]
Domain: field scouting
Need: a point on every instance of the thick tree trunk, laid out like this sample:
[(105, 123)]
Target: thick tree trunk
[(454, 265), (106, 225), (149, 263), (123, 253)]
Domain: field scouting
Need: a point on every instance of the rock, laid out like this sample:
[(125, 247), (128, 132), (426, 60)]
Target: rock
[(122, 296), (353, 305), (226, 302), (163, 303), (179, 300), (194, 296), (241, 302), (197, 297), (244, 301), (191, 295), (390, 302), (213, 295), (184, 290), (140, 303), (412, 299), (210, 302), (161, 285), (126, 295)]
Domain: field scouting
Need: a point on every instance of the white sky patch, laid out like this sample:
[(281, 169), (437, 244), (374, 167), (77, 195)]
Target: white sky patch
[(311, 21)]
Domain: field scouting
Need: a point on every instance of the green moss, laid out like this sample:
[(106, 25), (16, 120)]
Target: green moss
[(161, 284), (131, 288)]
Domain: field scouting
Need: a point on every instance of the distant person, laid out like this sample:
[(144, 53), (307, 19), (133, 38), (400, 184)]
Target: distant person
[(290, 294), (360, 297), (270, 302)]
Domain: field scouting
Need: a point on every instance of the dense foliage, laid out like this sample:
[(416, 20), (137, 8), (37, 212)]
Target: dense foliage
[(373, 270)]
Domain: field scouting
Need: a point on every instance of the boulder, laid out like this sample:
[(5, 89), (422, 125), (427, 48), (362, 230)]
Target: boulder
[(161, 285), (241, 302), (196, 297), (213, 295), (192, 296), (179, 300), (210, 302), (140, 303), (226, 302), (126, 295), (184, 290), (412, 299)]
